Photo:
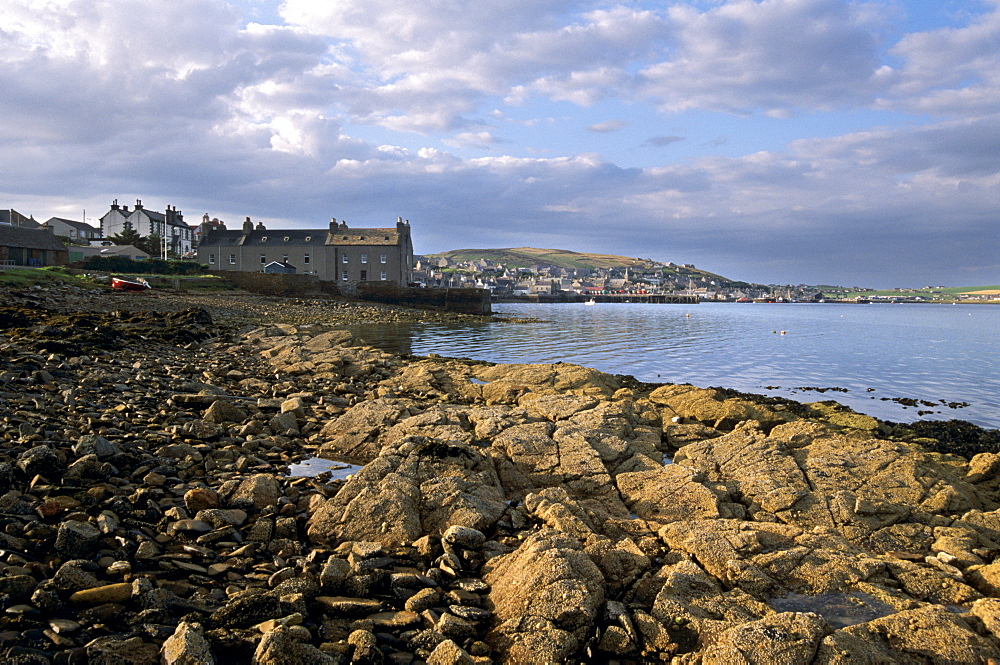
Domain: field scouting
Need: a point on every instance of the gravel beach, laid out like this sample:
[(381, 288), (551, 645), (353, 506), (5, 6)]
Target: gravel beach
[(503, 513)]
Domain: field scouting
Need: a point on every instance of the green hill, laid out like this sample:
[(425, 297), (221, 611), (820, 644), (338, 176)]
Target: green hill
[(525, 257)]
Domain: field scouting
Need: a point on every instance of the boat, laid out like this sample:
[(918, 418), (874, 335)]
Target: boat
[(590, 302), (135, 284)]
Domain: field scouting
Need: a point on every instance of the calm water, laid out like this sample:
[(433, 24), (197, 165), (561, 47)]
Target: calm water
[(934, 353)]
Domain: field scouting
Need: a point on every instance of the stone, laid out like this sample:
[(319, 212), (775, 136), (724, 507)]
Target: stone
[(187, 646), (257, 492), (76, 539), (463, 536), (449, 653), (109, 593)]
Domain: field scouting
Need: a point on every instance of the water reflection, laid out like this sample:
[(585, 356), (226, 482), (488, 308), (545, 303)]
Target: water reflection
[(876, 353)]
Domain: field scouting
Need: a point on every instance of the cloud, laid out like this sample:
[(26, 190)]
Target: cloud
[(608, 126), (663, 141), (363, 111)]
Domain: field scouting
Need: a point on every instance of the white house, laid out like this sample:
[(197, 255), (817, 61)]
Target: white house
[(170, 225)]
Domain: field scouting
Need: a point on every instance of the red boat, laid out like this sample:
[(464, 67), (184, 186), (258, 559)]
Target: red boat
[(136, 284)]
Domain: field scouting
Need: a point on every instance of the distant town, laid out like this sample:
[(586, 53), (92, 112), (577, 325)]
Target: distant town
[(350, 255)]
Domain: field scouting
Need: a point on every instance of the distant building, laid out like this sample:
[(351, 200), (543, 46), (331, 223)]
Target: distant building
[(170, 225), (72, 229), (280, 267), (338, 253), (33, 248), (11, 217)]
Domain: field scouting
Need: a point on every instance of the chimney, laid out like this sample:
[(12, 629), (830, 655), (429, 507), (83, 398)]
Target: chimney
[(260, 226), (333, 224), (138, 204), (247, 227), (114, 204)]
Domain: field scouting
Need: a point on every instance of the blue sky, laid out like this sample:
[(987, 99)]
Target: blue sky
[(776, 141)]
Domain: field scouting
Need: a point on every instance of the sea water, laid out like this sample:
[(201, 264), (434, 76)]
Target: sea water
[(898, 362)]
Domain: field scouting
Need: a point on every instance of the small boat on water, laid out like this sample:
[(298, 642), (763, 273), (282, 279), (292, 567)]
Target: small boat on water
[(590, 302), (134, 284)]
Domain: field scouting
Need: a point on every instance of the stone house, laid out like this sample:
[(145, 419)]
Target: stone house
[(339, 253), (77, 232), (33, 248), (170, 225)]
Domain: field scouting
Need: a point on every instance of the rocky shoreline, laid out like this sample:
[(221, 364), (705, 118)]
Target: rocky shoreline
[(504, 513)]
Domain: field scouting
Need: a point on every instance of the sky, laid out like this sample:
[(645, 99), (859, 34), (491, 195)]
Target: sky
[(771, 141)]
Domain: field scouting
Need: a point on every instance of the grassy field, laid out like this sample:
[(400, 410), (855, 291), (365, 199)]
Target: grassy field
[(949, 293), (19, 278), (26, 277)]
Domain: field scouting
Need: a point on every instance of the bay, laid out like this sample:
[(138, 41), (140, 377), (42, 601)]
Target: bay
[(899, 362)]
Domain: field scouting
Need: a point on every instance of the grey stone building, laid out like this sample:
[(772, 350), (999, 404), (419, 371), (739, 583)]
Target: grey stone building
[(338, 253)]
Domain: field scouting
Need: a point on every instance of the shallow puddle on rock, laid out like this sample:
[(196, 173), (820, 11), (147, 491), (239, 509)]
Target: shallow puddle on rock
[(839, 609), (313, 466), (478, 382), (667, 459)]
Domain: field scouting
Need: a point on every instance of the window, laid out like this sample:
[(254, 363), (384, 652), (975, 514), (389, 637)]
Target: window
[(263, 259), (364, 275), (343, 276), (382, 276), (232, 259), (309, 238), (263, 238), (211, 259), (343, 259), (382, 257), (305, 259), (364, 258), (286, 238), (284, 258)]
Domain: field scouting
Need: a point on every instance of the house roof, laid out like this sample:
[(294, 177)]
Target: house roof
[(75, 224), (278, 237), (16, 236), (364, 237)]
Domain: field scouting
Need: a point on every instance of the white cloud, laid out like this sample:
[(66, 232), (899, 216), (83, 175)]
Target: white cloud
[(771, 55), (608, 126)]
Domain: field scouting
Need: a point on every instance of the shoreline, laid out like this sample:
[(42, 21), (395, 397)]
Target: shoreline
[(505, 512)]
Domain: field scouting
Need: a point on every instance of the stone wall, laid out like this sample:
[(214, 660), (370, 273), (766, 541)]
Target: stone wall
[(279, 284), (464, 301)]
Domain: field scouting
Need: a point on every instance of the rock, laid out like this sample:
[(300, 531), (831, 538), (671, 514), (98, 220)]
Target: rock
[(449, 653), (354, 435), (281, 646), (187, 646), (463, 536), (787, 638), (546, 595), (109, 593), (256, 493), (246, 611), (76, 539), (200, 498), (908, 636), (115, 650), (42, 461), (414, 487), (224, 411)]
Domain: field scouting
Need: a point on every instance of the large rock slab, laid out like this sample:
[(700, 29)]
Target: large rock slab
[(546, 596), (416, 487), (355, 434)]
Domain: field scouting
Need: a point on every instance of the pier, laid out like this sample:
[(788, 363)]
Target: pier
[(643, 298)]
